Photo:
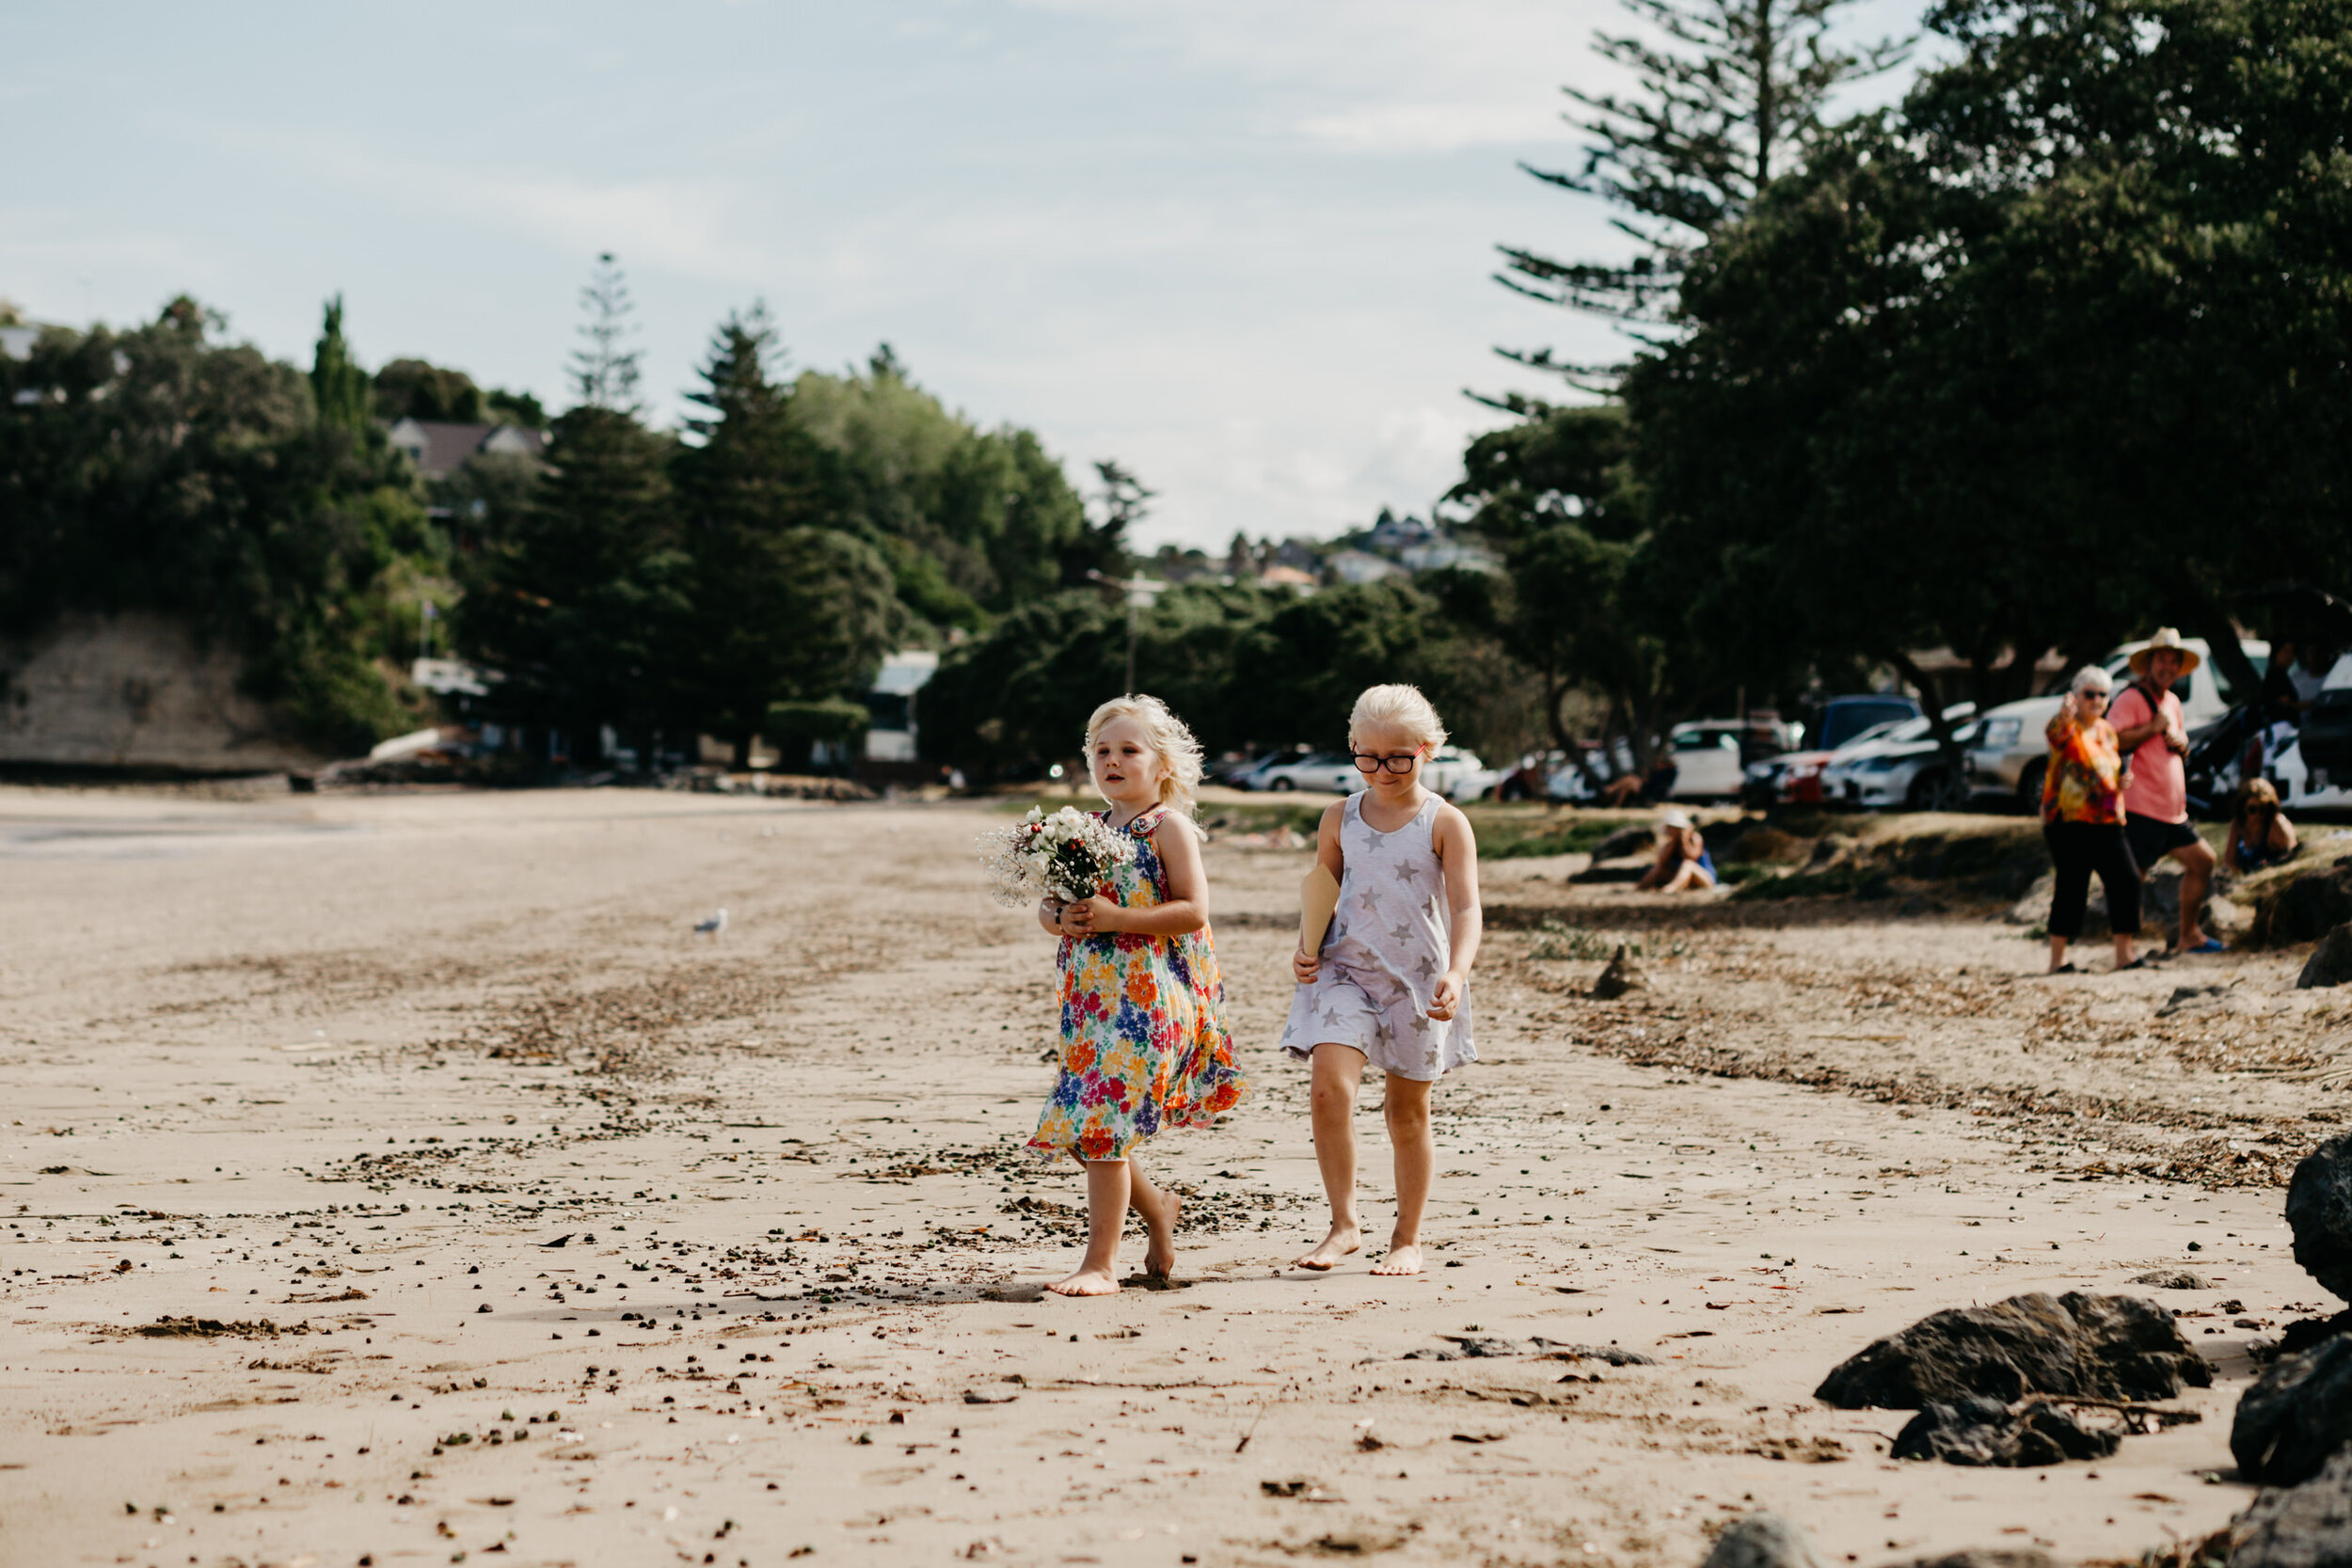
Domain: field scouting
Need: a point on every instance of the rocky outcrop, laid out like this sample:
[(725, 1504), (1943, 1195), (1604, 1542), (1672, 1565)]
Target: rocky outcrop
[(134, 691), (2319, 1213), (2308, 1526), (2295, 1417)]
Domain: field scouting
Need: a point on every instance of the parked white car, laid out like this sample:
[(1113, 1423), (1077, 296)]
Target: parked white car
[(1332, 772), (2010, 752), (1450, 771), (1900, 766), (2312, 784), (1457, 774), (1707, 761)]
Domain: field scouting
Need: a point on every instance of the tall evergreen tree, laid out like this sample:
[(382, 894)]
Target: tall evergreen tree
[(338, 386), (1728, 95), (605, 370), (785, 606), (582, 604)]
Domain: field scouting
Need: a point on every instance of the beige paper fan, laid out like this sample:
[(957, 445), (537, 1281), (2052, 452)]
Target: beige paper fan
[(1318, 896)]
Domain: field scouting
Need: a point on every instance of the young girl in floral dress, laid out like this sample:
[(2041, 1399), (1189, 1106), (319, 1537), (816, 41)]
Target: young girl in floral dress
[(1144, 1044)]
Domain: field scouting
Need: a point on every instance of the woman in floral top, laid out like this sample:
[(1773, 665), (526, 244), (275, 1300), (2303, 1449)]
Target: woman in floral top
[(2082, 821)]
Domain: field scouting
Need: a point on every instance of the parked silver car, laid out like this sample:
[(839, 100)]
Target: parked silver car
[(1901, 766)]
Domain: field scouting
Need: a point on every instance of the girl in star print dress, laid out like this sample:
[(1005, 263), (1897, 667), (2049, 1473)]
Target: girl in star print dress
[(1388, 986), (1144, 1044)]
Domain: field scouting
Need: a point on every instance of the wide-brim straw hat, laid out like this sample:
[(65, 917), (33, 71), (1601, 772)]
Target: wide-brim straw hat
[(2166, 637), (1675, 817)]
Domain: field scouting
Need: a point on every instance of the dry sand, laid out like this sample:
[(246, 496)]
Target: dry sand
[(572, 1237)]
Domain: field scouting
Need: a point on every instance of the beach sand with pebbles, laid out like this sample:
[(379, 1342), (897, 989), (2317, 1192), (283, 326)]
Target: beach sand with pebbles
[(397, 1179)]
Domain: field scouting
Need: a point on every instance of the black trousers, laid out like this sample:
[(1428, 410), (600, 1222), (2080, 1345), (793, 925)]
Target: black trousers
[(2077, 850)]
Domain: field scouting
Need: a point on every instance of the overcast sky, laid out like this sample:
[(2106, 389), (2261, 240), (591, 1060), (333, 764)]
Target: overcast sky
[(1244, 247)]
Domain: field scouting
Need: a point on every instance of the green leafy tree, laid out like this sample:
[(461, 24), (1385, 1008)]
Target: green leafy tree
[(972, 522), (414, 389), (160, 469)]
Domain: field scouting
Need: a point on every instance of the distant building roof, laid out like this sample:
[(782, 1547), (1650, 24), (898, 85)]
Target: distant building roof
[(438, 447), (1288, 577)]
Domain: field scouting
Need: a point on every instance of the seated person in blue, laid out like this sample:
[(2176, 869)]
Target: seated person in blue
[(1682, 858), (2260, 833)]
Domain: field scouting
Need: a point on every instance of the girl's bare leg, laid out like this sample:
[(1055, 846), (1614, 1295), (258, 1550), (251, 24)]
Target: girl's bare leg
[(1408, 1115), (1337, 1069), (1106, 1215), (1159, 1209), (2058, 953)]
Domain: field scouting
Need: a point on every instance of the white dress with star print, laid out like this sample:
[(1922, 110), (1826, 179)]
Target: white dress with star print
[(1388, 946)]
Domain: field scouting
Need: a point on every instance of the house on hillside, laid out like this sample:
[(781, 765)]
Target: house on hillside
[(439, 448), (1360, 567), (892, 735)]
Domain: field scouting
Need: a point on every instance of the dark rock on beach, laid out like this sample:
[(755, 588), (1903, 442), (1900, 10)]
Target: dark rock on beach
[(2304, 908), (1762, 1541), (2319, 1211), (1983, 1557), (2296, 1416), (2331, 963), (2095, 1346), (2308, 1526), (1618, 978), (1979, 1431)]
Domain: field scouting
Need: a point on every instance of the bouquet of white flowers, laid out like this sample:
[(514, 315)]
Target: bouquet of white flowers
[(1064, 856)]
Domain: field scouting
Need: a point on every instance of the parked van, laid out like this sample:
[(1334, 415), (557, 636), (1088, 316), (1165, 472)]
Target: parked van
[(2011, 750)]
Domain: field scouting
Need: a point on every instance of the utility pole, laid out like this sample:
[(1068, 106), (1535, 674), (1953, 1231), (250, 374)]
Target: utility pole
[(1141, 593)]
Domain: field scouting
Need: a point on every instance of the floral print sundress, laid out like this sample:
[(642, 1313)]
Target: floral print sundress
[(1144, 1043)]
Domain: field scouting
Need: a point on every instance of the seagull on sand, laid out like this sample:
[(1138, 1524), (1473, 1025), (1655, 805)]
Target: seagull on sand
[(712, 927)]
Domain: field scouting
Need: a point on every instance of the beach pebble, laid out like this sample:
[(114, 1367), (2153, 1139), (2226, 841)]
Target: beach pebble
[(2173, 1279), (1762, 1541)]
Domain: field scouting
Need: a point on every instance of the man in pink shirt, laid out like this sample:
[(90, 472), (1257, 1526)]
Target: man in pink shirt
[(2149, 732)]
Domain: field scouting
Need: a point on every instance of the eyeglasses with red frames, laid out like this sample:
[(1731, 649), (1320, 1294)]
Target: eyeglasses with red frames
[(1367, 762)]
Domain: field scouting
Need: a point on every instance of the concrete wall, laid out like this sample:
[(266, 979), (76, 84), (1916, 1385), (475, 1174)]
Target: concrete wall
[(133, 691)]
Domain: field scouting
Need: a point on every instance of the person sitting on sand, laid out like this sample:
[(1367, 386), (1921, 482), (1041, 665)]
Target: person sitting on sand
[(2260, 833), (1389, 985), (1683, 861), (2082, 821), (1144, 1043)]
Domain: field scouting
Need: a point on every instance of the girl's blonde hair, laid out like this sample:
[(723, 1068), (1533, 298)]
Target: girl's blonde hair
[(1402, 706), (1170, 739)]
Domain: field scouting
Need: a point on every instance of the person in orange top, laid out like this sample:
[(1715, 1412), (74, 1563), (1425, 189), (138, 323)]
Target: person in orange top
[(2082, 821)]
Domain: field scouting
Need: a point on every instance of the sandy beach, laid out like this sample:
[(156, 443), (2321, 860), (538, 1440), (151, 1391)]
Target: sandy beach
[(399, 1177)]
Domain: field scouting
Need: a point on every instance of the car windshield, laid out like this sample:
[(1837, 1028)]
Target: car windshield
[(1846, 722), (1702, 740)]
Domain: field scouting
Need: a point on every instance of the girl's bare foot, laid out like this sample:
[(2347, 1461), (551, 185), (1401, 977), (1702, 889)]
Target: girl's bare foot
[(1087, 1282), (1159, 1253), (1401, 1260), (1344, 1240)]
